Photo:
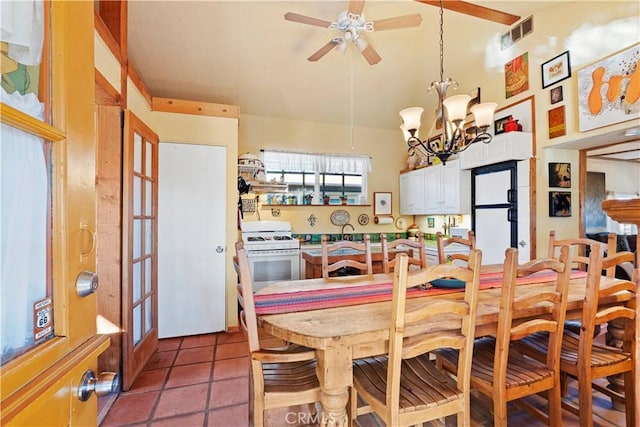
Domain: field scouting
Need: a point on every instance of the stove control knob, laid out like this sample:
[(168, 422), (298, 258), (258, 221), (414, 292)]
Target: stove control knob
[(219, 249)]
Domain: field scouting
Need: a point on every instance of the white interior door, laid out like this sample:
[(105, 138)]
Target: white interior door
[(191, 239)]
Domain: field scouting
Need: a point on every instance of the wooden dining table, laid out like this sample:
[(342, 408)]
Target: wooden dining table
[(341, 334)]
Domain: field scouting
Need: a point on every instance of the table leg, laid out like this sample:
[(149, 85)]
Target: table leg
[(335, 374)]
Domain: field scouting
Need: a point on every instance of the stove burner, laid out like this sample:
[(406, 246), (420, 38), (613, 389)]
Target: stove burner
[(255, 239)]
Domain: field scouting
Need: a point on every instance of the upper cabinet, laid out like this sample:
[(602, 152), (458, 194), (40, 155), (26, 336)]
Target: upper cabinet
[(503, 147), (441, 189), (412, 192)]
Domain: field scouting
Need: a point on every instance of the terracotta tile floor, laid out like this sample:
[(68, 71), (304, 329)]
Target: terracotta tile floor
[(204, 381)]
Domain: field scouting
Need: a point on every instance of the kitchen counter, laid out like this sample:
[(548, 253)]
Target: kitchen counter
[(312, 258)]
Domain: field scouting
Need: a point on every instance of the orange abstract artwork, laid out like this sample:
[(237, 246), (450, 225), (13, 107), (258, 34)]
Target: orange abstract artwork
[(609, 90)]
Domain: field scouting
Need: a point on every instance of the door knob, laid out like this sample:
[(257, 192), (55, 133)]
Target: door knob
[(106, 383), (522, 243), (86, 283)]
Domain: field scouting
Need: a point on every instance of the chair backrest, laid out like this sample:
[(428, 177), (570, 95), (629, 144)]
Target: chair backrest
[(442, 243), (594, 315), (580, 250), (510, 304), (248, 318), (347, 258), (408, 340), (419, 257)]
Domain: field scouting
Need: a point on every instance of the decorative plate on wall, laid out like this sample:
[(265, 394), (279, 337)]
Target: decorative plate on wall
[(363, 219), (401, 223), (340, 217)]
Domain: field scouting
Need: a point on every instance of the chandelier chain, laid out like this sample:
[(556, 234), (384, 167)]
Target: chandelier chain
[(441, 41)]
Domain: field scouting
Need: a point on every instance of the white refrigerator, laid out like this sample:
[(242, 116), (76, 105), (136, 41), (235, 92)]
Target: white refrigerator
[(500, 210)]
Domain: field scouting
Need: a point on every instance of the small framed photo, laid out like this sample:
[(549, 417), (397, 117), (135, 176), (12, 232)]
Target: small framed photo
[(435, 141), (560, 175), (559, 203), (556, 94), (498, 125), (381, 203), (556, 69), (431, 222)]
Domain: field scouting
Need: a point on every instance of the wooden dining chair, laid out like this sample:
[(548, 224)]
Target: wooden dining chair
[(419, 258), (346, 260), (505, 375), (585, 360), (404, 387), (580, 249), (281, 377), (442, 243)]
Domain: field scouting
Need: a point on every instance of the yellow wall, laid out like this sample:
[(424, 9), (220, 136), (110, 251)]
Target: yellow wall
[(386, 148), (105, 62)]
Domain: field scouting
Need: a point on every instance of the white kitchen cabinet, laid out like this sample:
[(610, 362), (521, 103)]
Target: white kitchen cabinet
[(448, 189), (440, 189), (412, 192), (503, 147)]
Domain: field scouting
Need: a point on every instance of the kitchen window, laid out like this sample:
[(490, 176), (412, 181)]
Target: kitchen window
[(315, 174)]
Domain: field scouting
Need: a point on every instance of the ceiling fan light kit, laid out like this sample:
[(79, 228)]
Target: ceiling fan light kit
[(452, 138), (351, 24)]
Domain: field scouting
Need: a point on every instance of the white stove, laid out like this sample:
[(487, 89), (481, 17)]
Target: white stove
[(268, 236), (273, 254)]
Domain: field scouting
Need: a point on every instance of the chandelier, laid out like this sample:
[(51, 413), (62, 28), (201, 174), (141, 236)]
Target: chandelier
[(448, 137)]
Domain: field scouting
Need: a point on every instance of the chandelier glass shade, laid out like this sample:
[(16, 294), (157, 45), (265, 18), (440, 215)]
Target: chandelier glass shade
[(447, 135)]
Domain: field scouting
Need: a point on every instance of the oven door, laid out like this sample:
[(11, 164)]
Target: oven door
[(273, 266)]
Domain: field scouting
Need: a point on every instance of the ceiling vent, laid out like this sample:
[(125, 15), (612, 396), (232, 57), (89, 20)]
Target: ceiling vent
[(524, 28)]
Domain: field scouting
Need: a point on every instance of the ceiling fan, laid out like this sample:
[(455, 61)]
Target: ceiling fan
[(351, 23), (475, 10)]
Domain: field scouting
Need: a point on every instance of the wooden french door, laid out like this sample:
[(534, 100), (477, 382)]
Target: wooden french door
[(140, 247)]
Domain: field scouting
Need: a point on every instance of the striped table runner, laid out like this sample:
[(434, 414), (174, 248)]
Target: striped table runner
[(363, 294)]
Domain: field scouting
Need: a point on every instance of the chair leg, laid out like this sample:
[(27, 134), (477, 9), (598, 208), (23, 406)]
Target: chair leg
[(499, 414), (258, 412), (629, 399), (555, 406), (564, 384), (585, 400), (353, 403)]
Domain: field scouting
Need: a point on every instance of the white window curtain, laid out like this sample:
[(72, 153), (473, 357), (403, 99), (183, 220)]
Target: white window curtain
[(318, 162), (23, 226)]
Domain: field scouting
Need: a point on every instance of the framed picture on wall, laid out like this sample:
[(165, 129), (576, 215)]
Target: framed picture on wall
[(381, 203), (559, 203), (556, 94), (560, 175), (556, 69)]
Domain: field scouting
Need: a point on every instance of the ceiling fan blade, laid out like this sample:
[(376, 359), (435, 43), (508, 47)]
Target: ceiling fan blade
[(405, 21), (371, 55), (296, 17), (476, 10), (323, 51), (356, 7)]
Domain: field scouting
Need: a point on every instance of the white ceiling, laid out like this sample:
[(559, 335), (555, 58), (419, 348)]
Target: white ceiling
[(245, 53)]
